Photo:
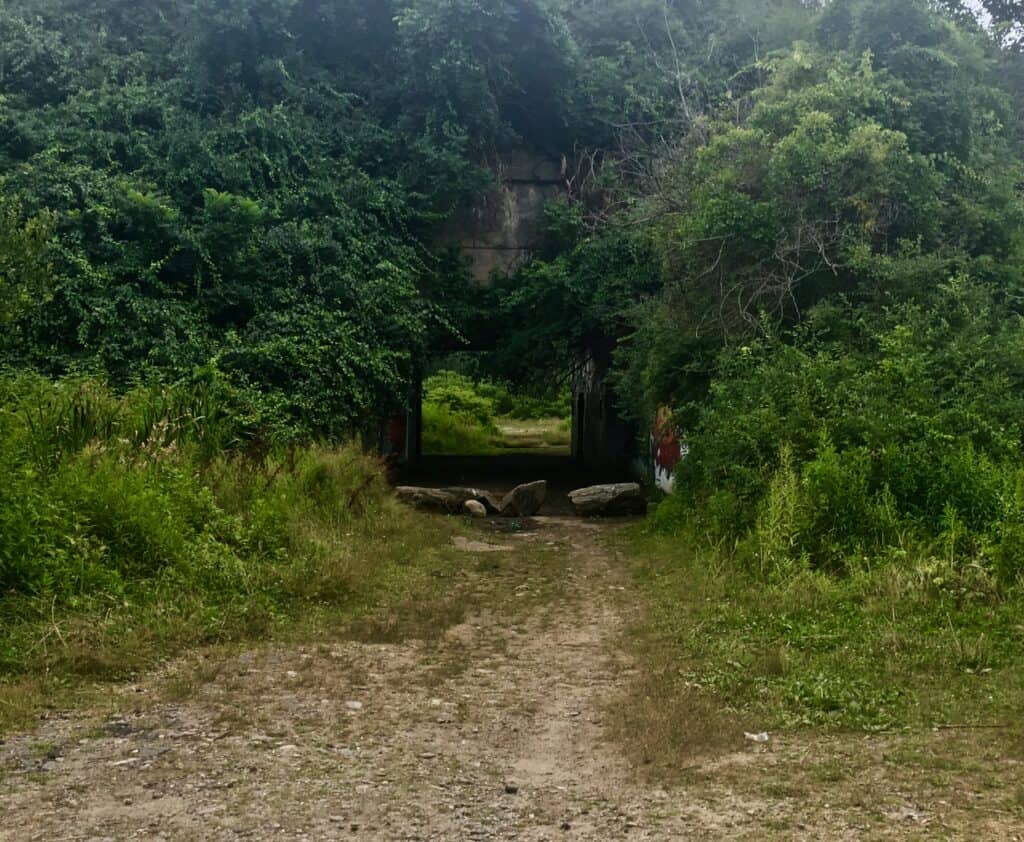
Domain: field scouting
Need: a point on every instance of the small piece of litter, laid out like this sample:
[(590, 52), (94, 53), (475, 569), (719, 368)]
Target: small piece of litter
[(757, 738)]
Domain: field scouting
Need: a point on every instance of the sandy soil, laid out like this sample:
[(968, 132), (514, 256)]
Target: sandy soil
[(497, 731)]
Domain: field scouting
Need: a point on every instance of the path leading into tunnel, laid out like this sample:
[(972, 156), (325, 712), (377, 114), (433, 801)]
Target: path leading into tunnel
[(499, 729)]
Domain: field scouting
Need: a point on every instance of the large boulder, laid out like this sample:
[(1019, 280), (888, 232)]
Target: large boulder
[(450, 501), (609, 500), (524, 500)]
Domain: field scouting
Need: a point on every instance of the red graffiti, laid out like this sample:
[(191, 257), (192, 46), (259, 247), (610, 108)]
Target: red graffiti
[(666, 442)]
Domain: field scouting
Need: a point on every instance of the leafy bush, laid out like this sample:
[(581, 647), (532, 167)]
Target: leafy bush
[(459, 413), (461, 397), (528, 408), (449, 433), (457, 417), (872, 430)]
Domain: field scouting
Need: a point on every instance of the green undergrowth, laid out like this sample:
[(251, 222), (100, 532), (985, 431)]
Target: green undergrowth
[(918, 644), (845, 544), (450, 433), (467, 417), (123, 544)]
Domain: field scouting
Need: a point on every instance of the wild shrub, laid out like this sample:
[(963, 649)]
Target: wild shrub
[(837, 447), (459, 396), (103, 492), (447, 432)]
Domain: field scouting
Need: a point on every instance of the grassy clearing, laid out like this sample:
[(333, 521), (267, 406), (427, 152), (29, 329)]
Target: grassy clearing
[(896, 648), (544, 436), (448, 434)]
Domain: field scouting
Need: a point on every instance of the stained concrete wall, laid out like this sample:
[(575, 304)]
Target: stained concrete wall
[(601, 439), (499, 232)]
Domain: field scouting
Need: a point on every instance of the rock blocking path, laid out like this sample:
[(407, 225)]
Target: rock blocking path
[(497, 731)]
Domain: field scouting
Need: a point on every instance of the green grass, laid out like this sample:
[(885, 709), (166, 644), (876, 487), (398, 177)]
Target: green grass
[(464, 417), (545, 436), (122, 544), (911, 645), (447, 433), (384, 578)]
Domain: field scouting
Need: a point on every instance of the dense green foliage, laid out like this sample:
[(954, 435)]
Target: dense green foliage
[(870, 436), (798, 224), (822, 274), (457, 417), (132, 527), (255, 186), (102, 491), (868, 224)]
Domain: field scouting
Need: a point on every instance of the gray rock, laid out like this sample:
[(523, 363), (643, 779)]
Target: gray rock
[(489, 501), (428, 499), (474, 508), (445, 500), (609, 500), (524, 500)]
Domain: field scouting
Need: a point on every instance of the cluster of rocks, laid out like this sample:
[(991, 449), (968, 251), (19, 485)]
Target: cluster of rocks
[(525, 500), (521, 501)]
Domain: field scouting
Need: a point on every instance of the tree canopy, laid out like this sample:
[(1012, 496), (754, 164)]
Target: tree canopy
[(256, 187)]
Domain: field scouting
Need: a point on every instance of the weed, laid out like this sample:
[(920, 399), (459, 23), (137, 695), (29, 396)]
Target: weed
[(668, 726), (44, 749)]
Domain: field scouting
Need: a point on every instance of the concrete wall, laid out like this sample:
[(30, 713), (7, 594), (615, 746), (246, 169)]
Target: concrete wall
[(497, 234), (601, 440), (501, 229)]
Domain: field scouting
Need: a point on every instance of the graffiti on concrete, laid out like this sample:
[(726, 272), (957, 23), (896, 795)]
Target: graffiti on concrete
[(668, 449)]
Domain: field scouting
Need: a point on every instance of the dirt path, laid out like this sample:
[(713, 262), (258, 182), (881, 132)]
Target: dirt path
[(496, 731)]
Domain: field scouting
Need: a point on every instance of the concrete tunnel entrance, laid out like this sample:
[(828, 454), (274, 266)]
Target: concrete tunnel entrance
[(497, 234), (601, 448)]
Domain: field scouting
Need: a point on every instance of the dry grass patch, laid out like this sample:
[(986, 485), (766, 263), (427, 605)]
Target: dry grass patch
[(667, 728)]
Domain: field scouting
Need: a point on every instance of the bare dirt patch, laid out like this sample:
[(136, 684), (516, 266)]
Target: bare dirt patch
[(502, 725)]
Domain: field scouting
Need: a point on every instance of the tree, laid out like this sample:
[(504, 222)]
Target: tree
[(25, 270)]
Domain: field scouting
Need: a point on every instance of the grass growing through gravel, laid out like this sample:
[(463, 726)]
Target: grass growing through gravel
[(898, 647)]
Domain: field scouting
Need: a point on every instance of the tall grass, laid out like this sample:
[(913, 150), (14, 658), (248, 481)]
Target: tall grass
[(132, 526)]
